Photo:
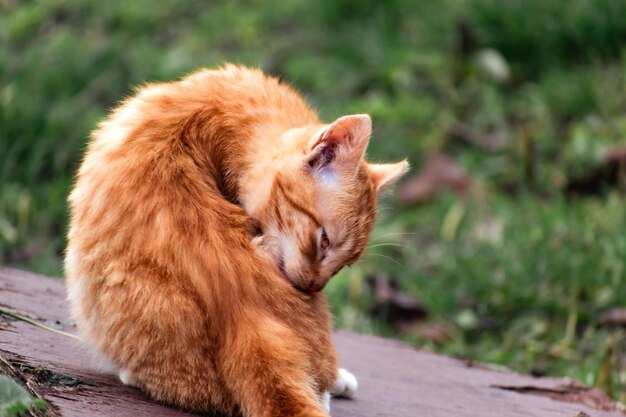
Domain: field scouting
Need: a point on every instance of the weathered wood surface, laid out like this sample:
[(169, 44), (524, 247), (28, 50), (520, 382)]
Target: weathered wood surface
[(394, 379)]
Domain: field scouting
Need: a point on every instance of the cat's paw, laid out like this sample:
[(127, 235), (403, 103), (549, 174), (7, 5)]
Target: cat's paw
[(326, 402), (345, 385), (124, 375)]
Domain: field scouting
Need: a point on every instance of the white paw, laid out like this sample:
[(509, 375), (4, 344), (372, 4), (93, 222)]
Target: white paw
[(125, 377), (345, 385), (326, 402)]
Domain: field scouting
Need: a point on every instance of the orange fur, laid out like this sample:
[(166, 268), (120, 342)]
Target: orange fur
[(164, 276)]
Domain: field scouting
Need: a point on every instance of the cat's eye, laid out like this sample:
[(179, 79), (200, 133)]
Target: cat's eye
[(324, 241)]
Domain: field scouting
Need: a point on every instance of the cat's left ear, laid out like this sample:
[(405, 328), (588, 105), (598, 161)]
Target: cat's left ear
[(343, 143), (385, 175)]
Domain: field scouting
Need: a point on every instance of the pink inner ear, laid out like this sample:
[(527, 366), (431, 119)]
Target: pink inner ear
[(349, 130), (339, 133)]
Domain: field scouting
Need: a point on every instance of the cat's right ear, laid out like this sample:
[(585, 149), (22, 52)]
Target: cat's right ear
[(342, 144), (385, 175)]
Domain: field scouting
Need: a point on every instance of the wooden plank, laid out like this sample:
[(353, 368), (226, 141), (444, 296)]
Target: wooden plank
[(394, 379)]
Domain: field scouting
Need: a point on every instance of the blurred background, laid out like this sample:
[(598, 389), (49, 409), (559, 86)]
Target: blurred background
[(505, 244)]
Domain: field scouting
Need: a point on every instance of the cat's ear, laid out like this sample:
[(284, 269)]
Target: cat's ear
[(343, 143), (385, 175)]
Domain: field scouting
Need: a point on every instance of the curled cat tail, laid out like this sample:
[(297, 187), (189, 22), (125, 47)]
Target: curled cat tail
[(272, 380)]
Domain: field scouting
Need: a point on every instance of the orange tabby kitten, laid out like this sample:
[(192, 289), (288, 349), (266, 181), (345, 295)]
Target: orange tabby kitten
[(206, 217)]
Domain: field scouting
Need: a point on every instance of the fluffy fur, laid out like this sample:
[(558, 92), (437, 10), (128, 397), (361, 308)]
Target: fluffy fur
[(206, 217)]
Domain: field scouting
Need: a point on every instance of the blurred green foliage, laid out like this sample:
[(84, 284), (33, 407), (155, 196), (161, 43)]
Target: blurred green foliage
[(520, 274), (15, 401)]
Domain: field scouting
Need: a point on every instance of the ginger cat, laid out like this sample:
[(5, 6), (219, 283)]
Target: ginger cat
[(206, 217)]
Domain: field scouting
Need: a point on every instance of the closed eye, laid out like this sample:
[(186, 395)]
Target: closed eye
[(324, 243)]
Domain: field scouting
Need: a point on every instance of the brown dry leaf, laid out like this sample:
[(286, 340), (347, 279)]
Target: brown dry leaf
[(610, 172), (400, 310), (486, 141), (440, 172), (614, 317), (439, 333), (27, 252)]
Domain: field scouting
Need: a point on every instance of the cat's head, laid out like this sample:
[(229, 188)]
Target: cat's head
[(322, 205)]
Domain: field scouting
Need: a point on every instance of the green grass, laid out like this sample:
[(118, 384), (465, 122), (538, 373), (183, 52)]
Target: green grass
[(15, 401), (519, 282), (520, 274)]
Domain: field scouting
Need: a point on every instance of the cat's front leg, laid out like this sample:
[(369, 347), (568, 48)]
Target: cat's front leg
[(125, 377), (345, 385), (326, 402)]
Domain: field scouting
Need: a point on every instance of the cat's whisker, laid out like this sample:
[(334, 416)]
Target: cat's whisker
[(400, 245), (372, 212), (392, 234), (383, 208), (389, 258)]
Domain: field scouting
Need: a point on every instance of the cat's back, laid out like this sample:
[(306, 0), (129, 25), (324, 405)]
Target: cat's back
[(218, 110), (232, 96), (249, 93)]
